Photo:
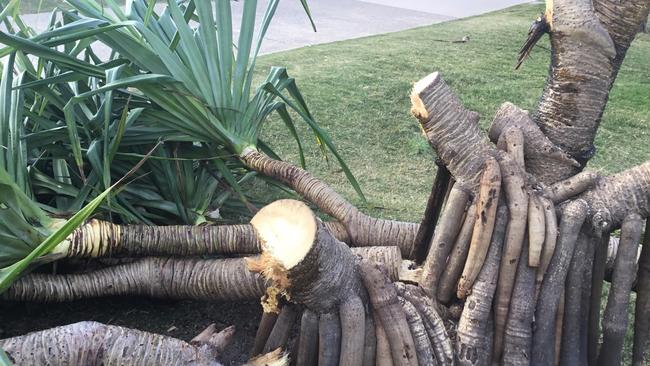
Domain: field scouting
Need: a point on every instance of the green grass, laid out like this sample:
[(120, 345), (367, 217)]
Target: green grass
[(359, 91)]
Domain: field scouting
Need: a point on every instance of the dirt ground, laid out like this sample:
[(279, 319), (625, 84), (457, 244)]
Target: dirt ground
[(180, 319)]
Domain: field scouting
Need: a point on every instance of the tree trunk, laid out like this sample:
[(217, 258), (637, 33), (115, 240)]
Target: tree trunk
[(306, 263)]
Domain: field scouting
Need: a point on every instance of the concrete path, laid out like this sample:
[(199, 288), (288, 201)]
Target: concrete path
[(338, 20), (452, 8), (335, 20)]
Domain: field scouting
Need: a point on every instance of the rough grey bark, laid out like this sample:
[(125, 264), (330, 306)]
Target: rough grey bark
[(571, 352), (92, 343), (617, 195), (326, 276), (473, 347), (597, 278), (541, 155), (427, 227), (116, 240), (573, 216), (519, 328), (281, 331), (615, 316), (577, 88), (308, 343), (642, 311), (589, 42), (452, 130), (362, 230), (384, 300)]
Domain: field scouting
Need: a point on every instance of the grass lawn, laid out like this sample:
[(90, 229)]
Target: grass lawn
[(359, 91)]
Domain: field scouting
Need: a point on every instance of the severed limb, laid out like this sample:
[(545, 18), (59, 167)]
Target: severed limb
[(418, 331), (207, 279), (306, 264)]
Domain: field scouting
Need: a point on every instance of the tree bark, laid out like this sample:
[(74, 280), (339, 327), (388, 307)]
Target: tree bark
[(362, 230), (642, 311), (92, 343)]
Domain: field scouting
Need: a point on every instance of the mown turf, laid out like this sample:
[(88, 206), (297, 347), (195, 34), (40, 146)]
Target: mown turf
[(358, 91)]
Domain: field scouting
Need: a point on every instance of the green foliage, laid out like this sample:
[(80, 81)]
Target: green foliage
[(10, 273), (168, 79)]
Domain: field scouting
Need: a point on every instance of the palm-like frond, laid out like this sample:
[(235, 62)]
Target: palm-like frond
[(173, 76)]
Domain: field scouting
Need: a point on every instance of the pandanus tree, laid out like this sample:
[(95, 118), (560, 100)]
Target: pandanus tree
[(514, 234), (207, 96)]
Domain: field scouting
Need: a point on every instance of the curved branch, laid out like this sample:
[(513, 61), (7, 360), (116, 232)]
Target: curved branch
[(577, 88)]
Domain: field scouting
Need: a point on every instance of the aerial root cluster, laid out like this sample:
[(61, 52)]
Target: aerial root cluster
[(396, 325), (541, 285), (350, 311)]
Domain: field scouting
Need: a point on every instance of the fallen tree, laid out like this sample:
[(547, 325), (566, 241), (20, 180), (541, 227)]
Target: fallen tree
[(517, 245), (200, 279)]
